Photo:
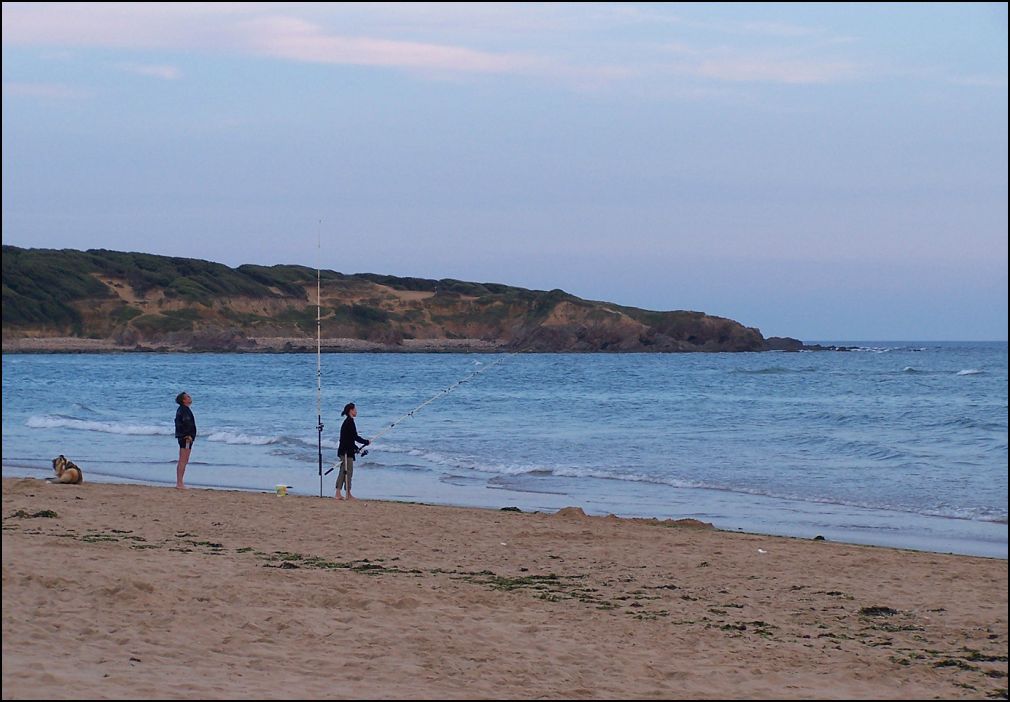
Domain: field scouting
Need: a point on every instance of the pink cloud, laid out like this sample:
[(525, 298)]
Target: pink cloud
[(295, 39)]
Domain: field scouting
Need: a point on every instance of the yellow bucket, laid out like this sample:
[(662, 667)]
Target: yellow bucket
[(282, 490)]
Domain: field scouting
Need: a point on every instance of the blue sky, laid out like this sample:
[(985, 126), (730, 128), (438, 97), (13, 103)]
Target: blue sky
[(828, 172)]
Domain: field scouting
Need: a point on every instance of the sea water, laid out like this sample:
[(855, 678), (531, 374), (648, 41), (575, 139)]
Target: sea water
[(892, 444)]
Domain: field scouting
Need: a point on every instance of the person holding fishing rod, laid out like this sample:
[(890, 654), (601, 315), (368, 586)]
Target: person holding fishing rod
[(349, 433), (348, 447)]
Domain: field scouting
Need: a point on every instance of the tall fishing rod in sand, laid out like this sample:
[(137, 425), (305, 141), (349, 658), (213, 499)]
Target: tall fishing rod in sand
[(319, 357)]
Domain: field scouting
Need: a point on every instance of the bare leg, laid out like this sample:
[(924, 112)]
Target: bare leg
[(340, 481), (349, 467), (180, 469), (344, 477)]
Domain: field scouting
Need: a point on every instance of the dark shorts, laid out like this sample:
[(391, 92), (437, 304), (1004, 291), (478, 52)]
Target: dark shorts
[(186, 442)]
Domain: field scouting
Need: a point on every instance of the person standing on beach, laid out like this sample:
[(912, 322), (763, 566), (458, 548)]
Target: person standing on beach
[(185, 432), (349, 441)]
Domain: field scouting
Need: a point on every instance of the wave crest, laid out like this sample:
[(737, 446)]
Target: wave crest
[(126, 428)]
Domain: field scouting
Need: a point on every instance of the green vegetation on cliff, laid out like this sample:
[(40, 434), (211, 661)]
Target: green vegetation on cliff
[(147, 301)]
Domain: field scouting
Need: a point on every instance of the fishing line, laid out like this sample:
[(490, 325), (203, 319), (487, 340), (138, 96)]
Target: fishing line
[(441, 393), (436, 396)]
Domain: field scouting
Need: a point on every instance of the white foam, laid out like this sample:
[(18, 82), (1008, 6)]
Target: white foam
[(236, 438), (51, 422), (130, 429)]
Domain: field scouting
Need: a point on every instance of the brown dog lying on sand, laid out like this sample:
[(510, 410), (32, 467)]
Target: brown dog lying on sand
[(67, 471)]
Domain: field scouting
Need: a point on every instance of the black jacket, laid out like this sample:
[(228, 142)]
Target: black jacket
[(348, 435), (185, 423)]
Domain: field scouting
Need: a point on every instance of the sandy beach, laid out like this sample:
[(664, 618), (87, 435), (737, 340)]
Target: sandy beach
[(126, 591)]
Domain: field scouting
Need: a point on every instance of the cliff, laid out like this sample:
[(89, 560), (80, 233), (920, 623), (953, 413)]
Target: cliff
[(109, 300)]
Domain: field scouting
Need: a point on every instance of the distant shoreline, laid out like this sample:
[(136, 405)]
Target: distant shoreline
[(70, 344), (255, 345)]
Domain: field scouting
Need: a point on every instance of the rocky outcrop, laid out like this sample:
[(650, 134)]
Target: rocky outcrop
[(780, 343)]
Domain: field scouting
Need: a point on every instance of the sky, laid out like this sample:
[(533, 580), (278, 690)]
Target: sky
[(819, 171)]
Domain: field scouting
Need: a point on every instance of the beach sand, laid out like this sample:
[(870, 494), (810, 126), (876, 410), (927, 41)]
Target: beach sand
[(128, 591)]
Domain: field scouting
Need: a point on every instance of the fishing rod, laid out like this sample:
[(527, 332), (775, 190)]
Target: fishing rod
[(441, 393), (319, 357), (520, 347)]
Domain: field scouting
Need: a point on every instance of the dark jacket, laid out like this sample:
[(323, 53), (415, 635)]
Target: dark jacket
[(348, 435), (185, 423)]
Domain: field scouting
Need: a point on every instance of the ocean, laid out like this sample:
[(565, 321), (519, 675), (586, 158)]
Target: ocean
[(892, 444)]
